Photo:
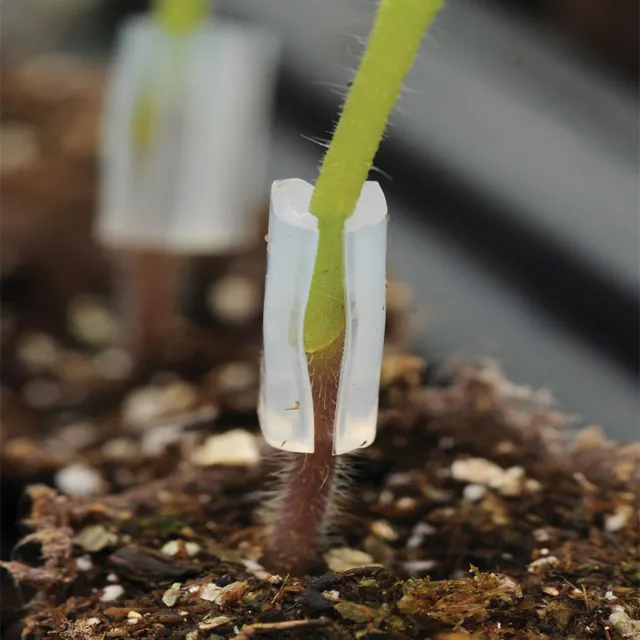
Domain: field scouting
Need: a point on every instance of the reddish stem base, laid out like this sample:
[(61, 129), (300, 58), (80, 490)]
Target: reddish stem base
[(304, 506), (148, 283)]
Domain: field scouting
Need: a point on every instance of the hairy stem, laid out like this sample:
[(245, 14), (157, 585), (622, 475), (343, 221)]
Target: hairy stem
[(392, 46), (301, 518), (305, 503)]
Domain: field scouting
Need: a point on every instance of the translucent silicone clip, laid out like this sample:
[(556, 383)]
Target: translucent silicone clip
[(199, 175), (285, 405)]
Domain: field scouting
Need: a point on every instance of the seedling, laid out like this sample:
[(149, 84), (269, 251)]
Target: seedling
[(325, 296), (324, 306), (186, 128)]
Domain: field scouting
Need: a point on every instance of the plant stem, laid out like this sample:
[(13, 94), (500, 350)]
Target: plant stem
[(148, 282), (309, 484), (149, 278), (393, 44), (180, 16)]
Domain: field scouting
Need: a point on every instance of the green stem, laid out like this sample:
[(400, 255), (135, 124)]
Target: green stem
[(394, 42), (180, 16)]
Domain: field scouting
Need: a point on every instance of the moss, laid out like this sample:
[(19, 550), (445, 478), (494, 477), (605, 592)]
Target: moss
[(355, 612)]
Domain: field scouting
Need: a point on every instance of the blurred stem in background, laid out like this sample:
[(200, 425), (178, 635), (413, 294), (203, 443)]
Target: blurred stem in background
[(151, 278), (181, 16)]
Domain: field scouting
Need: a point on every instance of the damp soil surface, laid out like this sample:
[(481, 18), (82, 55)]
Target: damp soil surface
[(469, 517)]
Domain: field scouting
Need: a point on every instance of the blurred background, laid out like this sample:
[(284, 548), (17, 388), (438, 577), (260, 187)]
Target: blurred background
[(510, 167)]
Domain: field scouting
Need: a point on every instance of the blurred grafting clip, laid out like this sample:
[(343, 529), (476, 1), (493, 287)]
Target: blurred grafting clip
[(184, 153)]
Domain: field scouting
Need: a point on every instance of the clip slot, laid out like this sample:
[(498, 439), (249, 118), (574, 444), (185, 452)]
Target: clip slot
[(285, 405)]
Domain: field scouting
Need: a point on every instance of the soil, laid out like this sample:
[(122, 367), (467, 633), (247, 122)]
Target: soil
[(134, 497)]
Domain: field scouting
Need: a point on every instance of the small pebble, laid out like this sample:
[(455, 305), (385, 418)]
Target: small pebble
[(111, 592), (333, 595), (420, 531), (91, 322), (171, 595), (142, 407), (147, 405), (95, 537), (233, 448), (234, 299), (506, 447), (155, 441), (38, 351), (119, 449), (541, 565), (84, 564), (179, 396), (113, 364), (541, 535), (382, 529), (256, 569), (79, 480), (474, 492), (398, 479), (406, 503), (77, 435), (173, 547), (510, 483), (345, 558), (609, 596), (531, 485), (476, 471), (92, 622), (233, 377), (619, 519), (134, 617)]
